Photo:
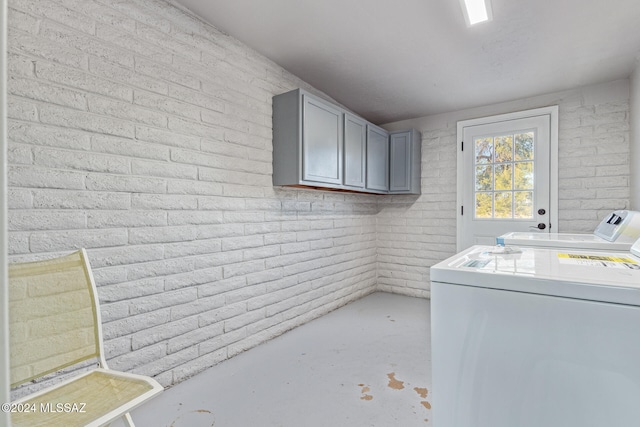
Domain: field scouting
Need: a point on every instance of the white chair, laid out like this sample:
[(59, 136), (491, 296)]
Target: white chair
[(54, 324)]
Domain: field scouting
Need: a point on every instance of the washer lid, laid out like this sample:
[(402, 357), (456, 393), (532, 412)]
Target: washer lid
[(561, 240), (597, 276)]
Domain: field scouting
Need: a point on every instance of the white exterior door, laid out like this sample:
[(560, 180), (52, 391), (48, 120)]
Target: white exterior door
[(505, 178)]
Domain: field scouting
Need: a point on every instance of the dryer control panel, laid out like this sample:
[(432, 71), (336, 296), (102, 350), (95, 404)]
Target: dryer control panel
[(622, 225)]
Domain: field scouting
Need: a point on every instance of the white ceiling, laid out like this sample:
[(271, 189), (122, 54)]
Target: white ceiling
[(393, 60)]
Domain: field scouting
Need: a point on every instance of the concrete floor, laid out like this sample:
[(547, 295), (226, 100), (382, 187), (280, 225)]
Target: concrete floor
[(365, 364)]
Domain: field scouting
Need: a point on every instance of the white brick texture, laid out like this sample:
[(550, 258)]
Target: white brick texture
[(144, 135)]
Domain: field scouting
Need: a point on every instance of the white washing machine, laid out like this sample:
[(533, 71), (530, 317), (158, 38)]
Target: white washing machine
[(541, 338), (616, 232)]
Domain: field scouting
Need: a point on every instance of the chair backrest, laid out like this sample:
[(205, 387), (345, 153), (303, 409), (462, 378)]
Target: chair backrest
[(53, 316)]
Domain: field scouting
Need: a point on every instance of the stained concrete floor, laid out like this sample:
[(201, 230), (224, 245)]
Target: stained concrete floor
[(365, 364)]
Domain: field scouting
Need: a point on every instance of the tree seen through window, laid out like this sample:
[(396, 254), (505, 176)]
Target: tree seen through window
[(504, 170)]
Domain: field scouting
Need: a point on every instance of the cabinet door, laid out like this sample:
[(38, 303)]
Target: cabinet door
[(377, 159), (355, 139), (321, 142), (400, 162)]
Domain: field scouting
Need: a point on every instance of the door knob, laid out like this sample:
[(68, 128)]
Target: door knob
[(540, 226)]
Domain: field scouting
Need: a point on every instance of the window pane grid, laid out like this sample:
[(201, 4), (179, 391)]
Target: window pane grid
[(504, 171)]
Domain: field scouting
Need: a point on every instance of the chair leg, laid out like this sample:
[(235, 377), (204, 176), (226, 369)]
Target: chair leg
[(128, 420)]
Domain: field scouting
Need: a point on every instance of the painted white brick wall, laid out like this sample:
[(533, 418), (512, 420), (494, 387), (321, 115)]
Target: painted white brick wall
[(144, 135), (415, 233)]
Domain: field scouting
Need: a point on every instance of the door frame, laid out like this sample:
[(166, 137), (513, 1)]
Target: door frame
[(552, 112)]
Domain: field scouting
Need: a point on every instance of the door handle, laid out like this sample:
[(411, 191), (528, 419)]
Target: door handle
[(540, 226)]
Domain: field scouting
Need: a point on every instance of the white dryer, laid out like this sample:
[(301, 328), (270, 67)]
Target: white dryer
[(545, 337), (616, 232)]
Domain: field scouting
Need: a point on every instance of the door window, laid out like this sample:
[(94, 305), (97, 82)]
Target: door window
[(504, 175)]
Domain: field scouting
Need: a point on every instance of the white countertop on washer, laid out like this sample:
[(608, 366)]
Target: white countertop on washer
[(582, 274)]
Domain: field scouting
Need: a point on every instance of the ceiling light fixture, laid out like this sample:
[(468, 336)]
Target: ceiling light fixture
[(476, 11)]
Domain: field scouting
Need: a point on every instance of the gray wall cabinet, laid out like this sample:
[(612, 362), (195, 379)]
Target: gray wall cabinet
[(405, 157), (319, 144), (321, 141), (355, 149), (377, 159), (307, 135)]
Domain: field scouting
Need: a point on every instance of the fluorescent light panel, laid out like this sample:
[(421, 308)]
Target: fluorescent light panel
[(476, 11)]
